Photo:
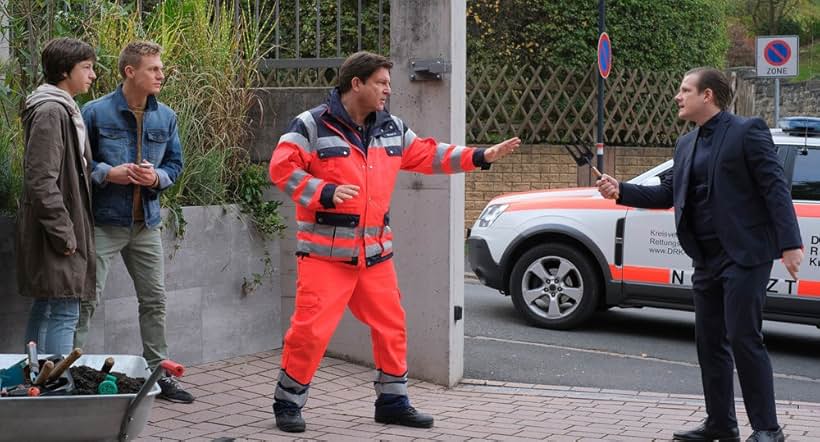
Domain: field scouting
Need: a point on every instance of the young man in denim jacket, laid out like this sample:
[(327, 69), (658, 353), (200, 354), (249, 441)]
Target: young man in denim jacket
[(136, 154)]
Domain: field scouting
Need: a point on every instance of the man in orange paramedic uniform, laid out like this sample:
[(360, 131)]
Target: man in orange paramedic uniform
[(339, 163)]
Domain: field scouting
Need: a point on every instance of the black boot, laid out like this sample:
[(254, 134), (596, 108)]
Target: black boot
[(288, 417), (705, 432), (396, 409), (767, 436)]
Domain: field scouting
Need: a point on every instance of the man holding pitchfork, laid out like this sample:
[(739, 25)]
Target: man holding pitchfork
[(734, 215)]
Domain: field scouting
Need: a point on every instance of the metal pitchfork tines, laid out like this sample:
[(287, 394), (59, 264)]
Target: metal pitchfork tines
[(582, 156)]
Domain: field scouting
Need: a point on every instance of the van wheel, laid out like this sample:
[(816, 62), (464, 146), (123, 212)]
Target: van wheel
[(554, 286)]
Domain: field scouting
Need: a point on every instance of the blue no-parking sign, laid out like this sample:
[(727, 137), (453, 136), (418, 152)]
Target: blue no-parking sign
[(777, 56), (604, 55)]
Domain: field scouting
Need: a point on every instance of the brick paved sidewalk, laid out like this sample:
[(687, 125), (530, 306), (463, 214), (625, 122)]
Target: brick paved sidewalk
[(234, 402)]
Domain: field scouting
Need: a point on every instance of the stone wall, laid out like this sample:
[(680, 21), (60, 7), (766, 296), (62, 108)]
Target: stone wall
[(208, 316), (540, 166), (801, 98)]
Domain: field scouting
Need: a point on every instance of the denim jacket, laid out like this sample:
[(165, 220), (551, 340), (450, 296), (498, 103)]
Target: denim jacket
[(112, 132)]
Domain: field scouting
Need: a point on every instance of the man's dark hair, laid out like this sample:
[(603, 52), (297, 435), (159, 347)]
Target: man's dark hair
[(361, 64), (711, 78), (60, 55)]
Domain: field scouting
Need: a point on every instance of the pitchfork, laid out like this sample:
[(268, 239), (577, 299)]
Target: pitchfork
[(583, 156)]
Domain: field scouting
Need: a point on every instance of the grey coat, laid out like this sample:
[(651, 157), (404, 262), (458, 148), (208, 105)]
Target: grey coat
[(55, 209)]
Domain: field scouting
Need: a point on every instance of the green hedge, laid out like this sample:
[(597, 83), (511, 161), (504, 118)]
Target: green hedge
[(646, 34)]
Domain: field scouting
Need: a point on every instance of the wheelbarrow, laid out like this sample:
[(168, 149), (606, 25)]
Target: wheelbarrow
[(84, 417)]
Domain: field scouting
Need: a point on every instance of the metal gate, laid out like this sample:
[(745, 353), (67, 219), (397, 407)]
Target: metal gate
[(312, 38)]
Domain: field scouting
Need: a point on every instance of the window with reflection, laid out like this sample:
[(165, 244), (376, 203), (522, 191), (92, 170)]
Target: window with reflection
[(806, 177)]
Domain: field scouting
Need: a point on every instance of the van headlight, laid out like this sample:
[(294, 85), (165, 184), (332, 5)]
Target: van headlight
[(490, 214)]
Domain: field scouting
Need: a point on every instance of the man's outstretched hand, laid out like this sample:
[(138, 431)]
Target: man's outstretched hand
[(501, 149)]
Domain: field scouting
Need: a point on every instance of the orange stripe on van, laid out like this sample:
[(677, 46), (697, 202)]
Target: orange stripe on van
[(574, 203), (807, 210), (569, 203), (808, 288), (654, 275)]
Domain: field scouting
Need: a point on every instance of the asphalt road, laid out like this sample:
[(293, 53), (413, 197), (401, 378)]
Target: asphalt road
[(627, 349)]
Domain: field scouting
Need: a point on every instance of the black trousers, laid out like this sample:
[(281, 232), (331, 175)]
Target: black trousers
[(728, 319)]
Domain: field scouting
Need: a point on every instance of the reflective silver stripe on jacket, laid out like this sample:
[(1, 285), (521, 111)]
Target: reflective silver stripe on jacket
[(455, 158), (377, 247), (297, 139), (386, 383), (372, 235), (373, 250), (295, 179), (303, 246), (395, 141), (330, 141), (287, 389), (309, 191), (408, 134), (310, 126), (372, 231), (328, 231), (409, 137)]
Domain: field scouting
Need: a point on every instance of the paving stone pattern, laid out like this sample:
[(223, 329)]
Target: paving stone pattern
[(234, 402)]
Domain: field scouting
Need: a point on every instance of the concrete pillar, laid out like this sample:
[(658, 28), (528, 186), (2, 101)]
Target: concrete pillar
[(427, 214)]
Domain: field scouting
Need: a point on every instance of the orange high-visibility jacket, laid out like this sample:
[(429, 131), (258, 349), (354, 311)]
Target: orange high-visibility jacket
[(323, 148)]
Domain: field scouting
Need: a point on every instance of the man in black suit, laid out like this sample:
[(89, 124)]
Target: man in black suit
[(734, 216)]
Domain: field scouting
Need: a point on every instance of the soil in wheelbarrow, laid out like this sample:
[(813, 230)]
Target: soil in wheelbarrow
[(87, 379)]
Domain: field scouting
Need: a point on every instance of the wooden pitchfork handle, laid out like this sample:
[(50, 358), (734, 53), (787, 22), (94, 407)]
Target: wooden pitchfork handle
[(64, 364), (598, 175)]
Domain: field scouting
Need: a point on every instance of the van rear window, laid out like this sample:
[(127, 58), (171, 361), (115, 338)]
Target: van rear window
[(806, 177)]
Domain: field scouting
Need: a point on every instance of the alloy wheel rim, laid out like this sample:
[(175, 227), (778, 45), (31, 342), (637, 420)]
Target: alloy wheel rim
[(552, 287)]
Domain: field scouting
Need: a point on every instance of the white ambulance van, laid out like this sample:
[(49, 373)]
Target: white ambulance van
[(563, 254)]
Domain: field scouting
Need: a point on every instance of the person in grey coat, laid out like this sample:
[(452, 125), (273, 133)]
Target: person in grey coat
[(55, 237)]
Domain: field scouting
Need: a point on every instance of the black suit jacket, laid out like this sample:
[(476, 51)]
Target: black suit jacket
[(750, 201)]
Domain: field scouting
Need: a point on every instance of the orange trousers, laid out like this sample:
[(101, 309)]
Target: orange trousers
[(323, 290)]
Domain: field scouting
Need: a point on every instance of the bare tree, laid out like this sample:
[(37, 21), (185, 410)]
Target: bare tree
[(768, 14)]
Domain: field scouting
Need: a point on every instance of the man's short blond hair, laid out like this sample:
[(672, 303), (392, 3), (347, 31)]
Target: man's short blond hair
[(133, 52)]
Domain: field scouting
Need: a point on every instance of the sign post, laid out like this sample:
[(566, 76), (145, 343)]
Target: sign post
[(604, 68), (776, 56)]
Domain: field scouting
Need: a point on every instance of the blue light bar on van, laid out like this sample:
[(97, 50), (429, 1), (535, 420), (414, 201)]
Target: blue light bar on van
[(803, 126)]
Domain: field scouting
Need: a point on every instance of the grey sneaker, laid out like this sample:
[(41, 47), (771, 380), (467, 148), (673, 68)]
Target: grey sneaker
[(171, 391)]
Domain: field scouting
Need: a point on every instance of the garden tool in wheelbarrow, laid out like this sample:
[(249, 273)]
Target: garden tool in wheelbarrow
[(33, 368), (50, 376), (583, 156), (16, 379), (14, 374), (59, 380)]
